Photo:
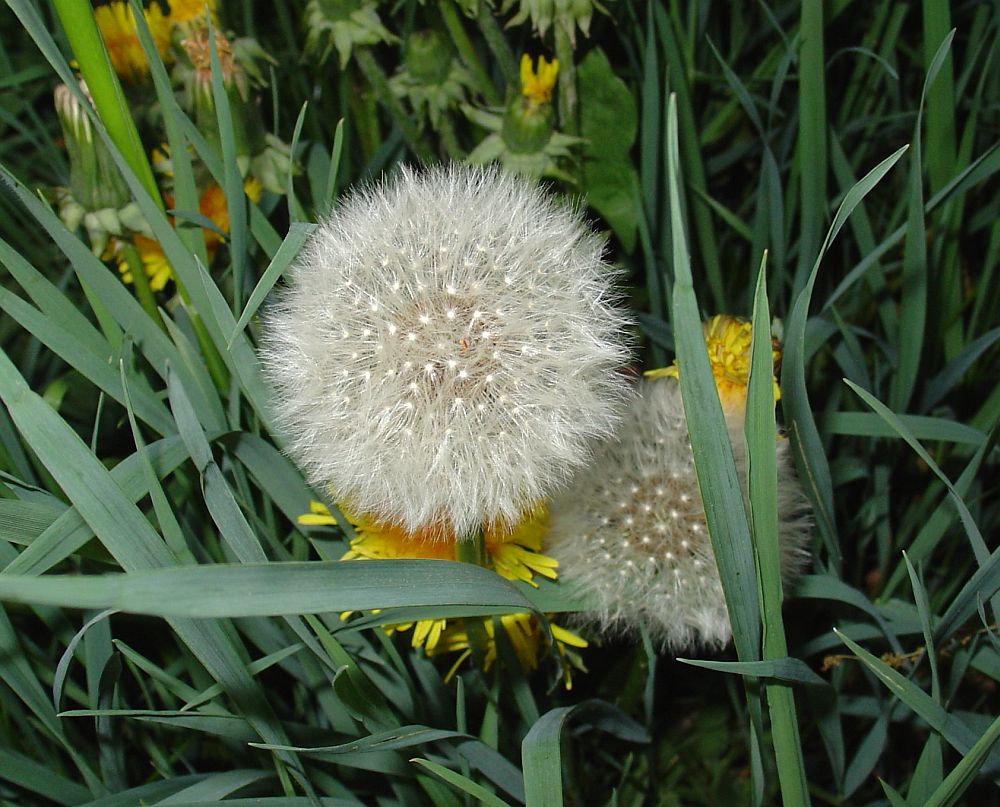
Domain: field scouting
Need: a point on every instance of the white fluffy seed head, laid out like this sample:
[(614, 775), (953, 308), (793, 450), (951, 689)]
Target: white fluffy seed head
[(447, 349), (640, 497)]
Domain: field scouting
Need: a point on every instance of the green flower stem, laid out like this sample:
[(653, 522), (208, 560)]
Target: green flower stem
[(473, 550), (380, 86), (449, 140), (467, 52), (497, 43), (80, 27), (140, 282), (568, 107)]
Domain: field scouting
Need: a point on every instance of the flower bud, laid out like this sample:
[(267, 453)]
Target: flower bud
[(95, 180)]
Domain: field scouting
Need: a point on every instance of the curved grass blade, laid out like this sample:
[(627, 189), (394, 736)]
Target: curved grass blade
[(462, 783), (541, 755), (810, 457)]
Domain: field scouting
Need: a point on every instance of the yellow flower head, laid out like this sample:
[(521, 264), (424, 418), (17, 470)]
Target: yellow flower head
[(212, 205), (185, 11), (526, 639), (117, 25), (728, 339), (537, 86), (515, 554), (154, 262)]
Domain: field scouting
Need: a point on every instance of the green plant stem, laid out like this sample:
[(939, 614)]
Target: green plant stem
[(81, 31), (140, 282), (380, 86), (467, 52), (449, 140), (497, 43), (568, 107), (473, 550)]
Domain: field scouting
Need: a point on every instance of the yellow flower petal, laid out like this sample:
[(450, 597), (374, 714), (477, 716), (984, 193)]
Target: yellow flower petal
[(727, 340), (537, 86)]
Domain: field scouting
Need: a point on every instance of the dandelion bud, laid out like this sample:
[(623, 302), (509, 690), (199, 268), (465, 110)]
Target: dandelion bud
[(95, 181), (431, 78), (529, 120), (568, 14), (248, 128), (344, 24), (631, 532), (447, 349), (427, 56)]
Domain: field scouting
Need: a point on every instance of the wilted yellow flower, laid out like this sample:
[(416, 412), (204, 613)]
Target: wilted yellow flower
[(727, 339), (537, 86), (117, 25)]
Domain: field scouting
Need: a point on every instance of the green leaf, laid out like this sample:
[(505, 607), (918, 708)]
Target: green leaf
[(34, 777), (956, 732), (541, 755), (963, 774), (297, 235), (792, 670), (608, 121), (273, 589), (462, 783), (713, 453), (391, 740)]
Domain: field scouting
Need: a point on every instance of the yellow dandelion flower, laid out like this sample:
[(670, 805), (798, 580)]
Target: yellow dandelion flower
[(185, 11), (212, 205), (728, 339), (515, 554), (154, 262), (117, 25), (526, 639), (318, 516), (537, 86)]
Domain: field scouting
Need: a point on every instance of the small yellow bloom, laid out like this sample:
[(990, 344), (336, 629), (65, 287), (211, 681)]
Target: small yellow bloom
[(727, 340), (154, 262), (526, 639), (185, 11), (212, 205), (537, 86), (117, 25)]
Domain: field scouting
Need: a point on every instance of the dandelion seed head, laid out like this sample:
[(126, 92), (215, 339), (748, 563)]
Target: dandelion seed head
[(657, 522), (523, 373)]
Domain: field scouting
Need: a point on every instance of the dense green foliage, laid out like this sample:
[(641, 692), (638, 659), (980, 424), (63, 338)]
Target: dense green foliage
[(135, 434)]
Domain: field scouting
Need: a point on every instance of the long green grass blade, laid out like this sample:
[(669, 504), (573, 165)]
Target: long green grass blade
[(273, 589), (812, 157), (761, 440)]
